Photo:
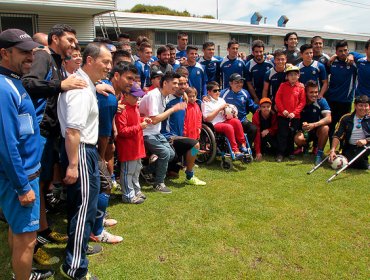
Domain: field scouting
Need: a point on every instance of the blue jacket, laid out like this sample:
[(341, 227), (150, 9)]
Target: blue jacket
[(174, 124), (242, 101), (198, 79), (20, 151)]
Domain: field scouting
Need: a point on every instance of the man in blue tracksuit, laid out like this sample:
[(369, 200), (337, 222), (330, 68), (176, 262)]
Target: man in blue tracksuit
[(210, 62), (341, 85), (20, 151), (241, 98), (256, 70), (231, 64), (197, 76)]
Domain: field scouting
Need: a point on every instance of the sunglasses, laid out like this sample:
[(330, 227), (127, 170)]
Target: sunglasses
[(215, 90)]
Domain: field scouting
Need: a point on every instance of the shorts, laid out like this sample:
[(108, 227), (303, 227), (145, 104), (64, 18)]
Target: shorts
[(50, 156), (182, 144), (20, 218)]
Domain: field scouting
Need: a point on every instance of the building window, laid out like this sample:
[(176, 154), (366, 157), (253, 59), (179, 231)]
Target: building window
[(360, 46), (243, 39), (24, 22), (169, 37), (263, 38), (330, 43)]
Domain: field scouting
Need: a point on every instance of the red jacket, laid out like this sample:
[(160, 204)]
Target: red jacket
[(290, 98), (193, 121), (272, 130), (130, 140)]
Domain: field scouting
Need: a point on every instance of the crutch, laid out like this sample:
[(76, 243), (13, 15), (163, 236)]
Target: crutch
[(317, 166), (348, 164)]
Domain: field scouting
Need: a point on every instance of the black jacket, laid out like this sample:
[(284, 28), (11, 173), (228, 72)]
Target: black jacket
[(344, 130), (38, 87)]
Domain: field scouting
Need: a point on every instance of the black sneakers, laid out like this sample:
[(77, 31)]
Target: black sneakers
[(38, 274)]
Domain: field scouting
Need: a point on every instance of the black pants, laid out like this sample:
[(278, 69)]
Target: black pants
[(287, 128), (351, 151), (338, 109), (269, 145), (251, 130), (181, 145)]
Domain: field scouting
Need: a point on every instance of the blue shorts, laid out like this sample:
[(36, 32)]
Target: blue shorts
[(20, 218)]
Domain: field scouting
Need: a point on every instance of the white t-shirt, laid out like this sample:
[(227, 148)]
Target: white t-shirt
[(210, 106), (153, 104), (357, 132), (78, 109)]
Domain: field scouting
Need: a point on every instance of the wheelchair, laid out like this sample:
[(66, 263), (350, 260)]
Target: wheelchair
[(213, 144)]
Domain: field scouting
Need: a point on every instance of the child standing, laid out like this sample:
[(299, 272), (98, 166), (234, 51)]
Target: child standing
[(130, 145), (290, 101), (193, 115)]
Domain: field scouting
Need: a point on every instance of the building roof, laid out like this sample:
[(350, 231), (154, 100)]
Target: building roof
[(164, 22)]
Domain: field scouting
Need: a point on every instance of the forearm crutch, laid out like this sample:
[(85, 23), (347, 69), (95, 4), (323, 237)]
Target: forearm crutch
[(317, 166), (348, 164)]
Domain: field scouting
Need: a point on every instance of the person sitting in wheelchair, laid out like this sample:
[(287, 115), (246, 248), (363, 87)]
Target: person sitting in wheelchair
[(354, 131), (240, 97), (214, 112)]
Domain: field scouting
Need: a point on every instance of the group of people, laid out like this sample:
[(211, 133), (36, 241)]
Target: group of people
[(65, 113)]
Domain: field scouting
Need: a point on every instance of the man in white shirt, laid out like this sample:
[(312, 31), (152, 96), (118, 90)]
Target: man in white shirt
[(153, 105), (78, 115)]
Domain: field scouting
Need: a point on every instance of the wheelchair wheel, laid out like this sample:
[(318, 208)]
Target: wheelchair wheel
[(247, 159), (226, 164), (208, 148)]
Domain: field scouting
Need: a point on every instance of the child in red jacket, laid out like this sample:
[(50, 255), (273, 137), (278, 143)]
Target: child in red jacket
[(130, 145), (290, 101), (266, 122), (193, 116)]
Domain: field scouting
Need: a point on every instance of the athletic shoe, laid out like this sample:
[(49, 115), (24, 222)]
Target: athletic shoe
[(318, 159), (43, 258), (116, 188), (195, 181), (109, 222), (38, 274), (161, 187), (93, 250), (148, 177), (279, 158), (106, 237), (141, 194), (88, 276), (298, 151), (153, 158), (53, 237), (134, 200), (172, 175), (244, 150)]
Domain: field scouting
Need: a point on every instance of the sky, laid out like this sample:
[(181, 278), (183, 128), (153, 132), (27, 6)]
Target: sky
[(348, 16)]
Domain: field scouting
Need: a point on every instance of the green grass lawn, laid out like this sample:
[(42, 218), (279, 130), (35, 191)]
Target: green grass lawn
[(259, 221)]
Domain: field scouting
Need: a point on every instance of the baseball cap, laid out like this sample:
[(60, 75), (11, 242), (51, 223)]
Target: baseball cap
[(265, 100), (156, 74), (236, 77), (292, 68), (362, 99), (17, 38), (136, 90)]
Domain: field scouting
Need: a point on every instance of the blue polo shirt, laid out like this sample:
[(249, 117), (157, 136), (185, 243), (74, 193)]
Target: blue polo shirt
[(314, 112), (143, 70), (363, 72), (107, 109), (342, 82), (256, 74), (211, 68), (315, 71), (242, 101), (180, 54), (274, 79), (231, 66), (198, 79), (174, 124)]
